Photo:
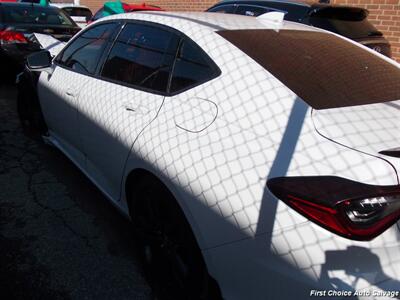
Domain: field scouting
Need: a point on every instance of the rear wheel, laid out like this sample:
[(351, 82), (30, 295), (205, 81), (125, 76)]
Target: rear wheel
[(173, 262)]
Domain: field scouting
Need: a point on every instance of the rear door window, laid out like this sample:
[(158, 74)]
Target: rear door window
[(227, 9), (324, 70), (192, 67), (142, 56)]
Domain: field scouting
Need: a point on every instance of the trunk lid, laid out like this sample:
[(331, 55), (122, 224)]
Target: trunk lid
[(369, 128), (49, 43), (62, 33)]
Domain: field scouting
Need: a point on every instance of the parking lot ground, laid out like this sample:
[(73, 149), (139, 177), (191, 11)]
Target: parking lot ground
[(59, 237)]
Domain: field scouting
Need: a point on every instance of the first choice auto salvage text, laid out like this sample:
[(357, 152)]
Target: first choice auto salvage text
[(362, 293)]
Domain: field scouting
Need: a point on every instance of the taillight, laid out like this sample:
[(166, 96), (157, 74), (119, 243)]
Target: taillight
[(351, 209), (12, 37)]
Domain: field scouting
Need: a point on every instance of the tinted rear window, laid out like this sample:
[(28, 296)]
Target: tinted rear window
[(322, 69), (227, 9), (252, 11), (192, 67), (350, 22), (78, 12), (22, 14)]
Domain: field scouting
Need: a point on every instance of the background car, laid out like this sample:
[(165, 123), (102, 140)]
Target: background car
[(17, 23), (252, 157), (127, 8), (79, 13), (41, 2), (351, 22)]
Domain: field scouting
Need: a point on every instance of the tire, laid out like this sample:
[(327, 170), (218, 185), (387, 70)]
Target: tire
[(30, 113), (173, 263)]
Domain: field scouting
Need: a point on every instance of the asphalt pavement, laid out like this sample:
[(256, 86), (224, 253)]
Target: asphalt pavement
[(59, 237)]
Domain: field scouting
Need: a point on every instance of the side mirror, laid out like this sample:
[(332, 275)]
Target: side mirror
[(40, 61)]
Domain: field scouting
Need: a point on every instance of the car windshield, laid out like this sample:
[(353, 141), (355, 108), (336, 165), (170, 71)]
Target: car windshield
[(350, 22), (22, 14), (319, 67)]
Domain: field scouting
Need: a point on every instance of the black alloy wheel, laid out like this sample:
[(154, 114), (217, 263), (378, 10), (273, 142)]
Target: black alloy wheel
[(173, 263)]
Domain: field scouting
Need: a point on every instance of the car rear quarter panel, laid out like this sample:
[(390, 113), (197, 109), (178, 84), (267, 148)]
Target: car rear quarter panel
[(219, 174), (262, 130)]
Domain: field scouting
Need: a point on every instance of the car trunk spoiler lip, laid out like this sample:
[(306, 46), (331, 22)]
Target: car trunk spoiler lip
[(394, 152), (49, 43)]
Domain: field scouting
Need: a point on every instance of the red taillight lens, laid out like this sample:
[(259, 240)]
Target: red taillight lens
[(11, 37), (351, 209)]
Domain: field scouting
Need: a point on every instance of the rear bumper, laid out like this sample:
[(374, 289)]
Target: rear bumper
[(305, 261)]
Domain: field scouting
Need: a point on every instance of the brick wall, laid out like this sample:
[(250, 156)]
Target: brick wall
[(177, 5), (384, 14)]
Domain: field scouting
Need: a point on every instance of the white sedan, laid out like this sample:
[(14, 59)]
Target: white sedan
[(256, 158)]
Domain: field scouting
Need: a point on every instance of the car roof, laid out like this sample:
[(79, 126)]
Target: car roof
[(211, 21), (294, 2), (64, 5), (303, 3), (25, 4), (142, 6)]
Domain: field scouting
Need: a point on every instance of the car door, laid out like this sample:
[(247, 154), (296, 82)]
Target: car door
[(59, 92), (124, 99)]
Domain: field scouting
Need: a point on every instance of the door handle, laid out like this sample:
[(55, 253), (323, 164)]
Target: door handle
[(136, 109), (70, 92), (128, 106)]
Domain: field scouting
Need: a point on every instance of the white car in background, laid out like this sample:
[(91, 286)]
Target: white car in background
[(256, 158), (79, 13)]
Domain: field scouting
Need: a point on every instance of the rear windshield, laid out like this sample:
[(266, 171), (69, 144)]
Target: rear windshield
[(350, 22), (78, 12), (322, 69), (35, 14)]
